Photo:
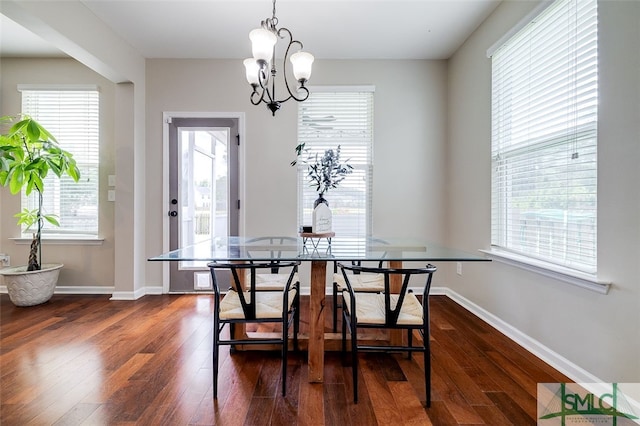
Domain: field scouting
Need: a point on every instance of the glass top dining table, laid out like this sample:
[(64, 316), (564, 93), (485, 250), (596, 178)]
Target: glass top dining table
[(318, 250), (317, 247)]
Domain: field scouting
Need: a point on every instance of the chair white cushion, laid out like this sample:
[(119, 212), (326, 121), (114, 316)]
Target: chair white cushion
[(266, 282), (361, 282), (268, 304), (370, 308)]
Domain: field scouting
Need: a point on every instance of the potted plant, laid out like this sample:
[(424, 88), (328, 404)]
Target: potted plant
[(28, 152), (324, 172)]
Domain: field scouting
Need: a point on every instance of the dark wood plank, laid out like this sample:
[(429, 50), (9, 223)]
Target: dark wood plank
[(491, 415), (439, 414), (78, 414), (384, 407), (336, 410), (511, 410), (410, 406), (286, 408), (260, 411), (447, 365), (269, 382)]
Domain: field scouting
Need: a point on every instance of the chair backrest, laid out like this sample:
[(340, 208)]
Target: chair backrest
[(274, 245), (358, 262), (353, 263), (238, 285), (392, 312)]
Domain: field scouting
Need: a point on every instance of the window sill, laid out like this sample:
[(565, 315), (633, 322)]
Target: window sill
[(64, 240), (587, 281)]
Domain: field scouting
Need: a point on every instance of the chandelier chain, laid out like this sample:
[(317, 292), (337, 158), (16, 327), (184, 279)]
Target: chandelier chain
[(274, 20)]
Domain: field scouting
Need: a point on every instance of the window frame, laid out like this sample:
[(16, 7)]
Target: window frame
[(361, 167), (500, 249), (68, 235)]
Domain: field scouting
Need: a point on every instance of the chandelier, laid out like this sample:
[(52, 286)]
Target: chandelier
[(261, 69)]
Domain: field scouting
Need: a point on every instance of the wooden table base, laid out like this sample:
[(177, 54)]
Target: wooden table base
[(317, 304)]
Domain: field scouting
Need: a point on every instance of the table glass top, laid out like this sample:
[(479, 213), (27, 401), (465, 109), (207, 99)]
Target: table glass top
[(316, 248)]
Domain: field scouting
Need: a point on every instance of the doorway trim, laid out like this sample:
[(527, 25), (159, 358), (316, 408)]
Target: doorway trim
[(167, 116)]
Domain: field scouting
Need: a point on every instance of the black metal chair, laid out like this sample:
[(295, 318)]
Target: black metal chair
[(389, 311), (366, 283), (243, 304)]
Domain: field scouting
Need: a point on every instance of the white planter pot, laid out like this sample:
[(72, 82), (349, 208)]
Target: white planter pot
[(29, 288)]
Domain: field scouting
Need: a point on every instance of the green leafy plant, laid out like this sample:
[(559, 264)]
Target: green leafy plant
[(326, 171), (28, 152)]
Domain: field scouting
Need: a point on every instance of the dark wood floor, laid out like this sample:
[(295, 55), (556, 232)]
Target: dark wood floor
[(85, 360)]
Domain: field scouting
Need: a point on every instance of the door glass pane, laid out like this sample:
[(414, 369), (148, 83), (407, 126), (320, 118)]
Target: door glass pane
[(203, 186)]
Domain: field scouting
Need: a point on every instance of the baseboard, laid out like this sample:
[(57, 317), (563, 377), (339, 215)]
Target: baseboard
[(89, 290), (153, 290), (137, 294), (566, 367), (83, 290)]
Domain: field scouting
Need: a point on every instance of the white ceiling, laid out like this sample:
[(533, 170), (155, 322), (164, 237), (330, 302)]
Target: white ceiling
[(334, 29)]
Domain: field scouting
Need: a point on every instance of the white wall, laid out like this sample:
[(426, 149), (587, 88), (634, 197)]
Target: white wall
[(409, 143), (85, 265), (599, 333), (71, 27)]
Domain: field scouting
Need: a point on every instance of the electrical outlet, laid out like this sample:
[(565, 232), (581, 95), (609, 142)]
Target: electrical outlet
[(5, 259), (459, 268)]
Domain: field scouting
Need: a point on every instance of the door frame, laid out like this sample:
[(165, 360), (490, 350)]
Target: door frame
[(167, 116)]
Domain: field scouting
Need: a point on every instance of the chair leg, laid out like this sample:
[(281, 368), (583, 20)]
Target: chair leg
[(335, 307), (296, 321), (216, 353), (409, 341), (285, 350), (232, 335), (427, 364), (354, 360), (344, 336)]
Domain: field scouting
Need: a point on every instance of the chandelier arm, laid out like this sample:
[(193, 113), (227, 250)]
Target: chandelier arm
[(272, 94), (263, 80), (254, 95), (272, 104), (304, 96), (255, 100), (284, 67)]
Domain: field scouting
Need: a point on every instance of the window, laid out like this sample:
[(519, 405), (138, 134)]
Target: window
[(332, 117), (72, 117), (544, 138)]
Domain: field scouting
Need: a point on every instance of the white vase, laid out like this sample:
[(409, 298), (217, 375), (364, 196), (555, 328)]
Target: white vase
[(29, 288)]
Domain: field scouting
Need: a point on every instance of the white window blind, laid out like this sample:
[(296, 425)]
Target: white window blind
[(72, 117), (327, 119), (544, 138)]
